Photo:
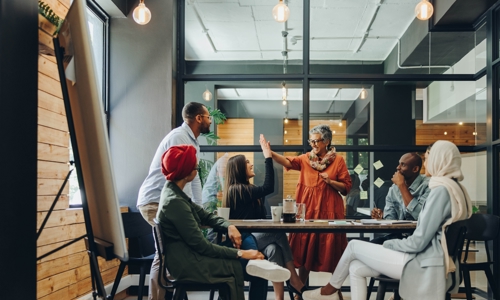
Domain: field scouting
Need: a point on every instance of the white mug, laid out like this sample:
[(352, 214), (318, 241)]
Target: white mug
[(223, 212), (276, 213)]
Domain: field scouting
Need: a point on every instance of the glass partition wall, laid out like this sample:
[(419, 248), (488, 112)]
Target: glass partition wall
[(375, 74)]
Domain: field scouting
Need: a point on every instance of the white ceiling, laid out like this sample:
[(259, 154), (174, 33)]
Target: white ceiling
[(293, 94), (245, 29)]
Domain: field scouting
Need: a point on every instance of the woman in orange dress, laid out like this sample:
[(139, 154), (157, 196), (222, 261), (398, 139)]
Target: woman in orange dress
[(323, 177)]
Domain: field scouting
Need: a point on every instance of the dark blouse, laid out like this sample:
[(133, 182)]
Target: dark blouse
[(248, 206)]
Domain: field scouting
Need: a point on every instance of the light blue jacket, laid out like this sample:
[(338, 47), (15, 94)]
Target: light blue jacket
[(424, 272), (394, 205)]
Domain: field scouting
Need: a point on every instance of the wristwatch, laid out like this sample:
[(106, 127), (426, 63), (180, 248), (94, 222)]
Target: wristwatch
[(240, 253)]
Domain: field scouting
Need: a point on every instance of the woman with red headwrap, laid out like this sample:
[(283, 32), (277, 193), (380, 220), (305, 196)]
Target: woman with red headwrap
[(190, 256)]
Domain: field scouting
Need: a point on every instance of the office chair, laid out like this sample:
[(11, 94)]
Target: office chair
[(482, 227), (141, 249)]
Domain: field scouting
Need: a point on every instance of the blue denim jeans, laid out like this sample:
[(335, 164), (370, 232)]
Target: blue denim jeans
[(258, 286)]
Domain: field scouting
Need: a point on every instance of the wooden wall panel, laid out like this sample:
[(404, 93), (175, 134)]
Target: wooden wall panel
[(54, 153), (52, 170), (61, 233), (44, 202), (73, 248), (50, 187), (236, 132), (467, 134), (293, 136), (51, 119), (61, 217), (64, 274), (52, 136), (48, 67)]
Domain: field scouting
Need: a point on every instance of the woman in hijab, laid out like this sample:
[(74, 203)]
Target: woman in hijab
[(190, 256), (421, 261)]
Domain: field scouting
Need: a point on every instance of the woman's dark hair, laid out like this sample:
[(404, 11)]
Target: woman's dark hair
[(236, 179)]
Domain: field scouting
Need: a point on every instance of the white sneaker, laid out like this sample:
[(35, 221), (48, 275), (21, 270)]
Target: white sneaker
[(316, 295), (265, 269)]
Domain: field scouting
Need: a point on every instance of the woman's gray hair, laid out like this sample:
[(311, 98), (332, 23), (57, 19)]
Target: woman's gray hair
[(325, 131)]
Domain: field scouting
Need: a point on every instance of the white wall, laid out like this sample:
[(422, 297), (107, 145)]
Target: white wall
[(474, 170)]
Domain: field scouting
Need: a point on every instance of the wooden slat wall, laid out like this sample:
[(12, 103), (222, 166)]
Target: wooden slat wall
[(66, 273), (293, 136), (236, 132), (461, 135)]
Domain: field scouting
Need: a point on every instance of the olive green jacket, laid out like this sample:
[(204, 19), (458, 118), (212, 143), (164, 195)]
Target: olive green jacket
[(189, 255)]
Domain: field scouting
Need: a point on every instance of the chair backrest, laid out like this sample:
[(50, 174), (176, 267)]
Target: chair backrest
[(483, 227), (455, 237), (139, 234), (163, 273)]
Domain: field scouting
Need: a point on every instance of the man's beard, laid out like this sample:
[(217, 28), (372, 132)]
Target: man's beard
[(205, 129)]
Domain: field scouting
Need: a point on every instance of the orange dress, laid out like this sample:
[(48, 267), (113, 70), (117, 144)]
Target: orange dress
[(314, 251)]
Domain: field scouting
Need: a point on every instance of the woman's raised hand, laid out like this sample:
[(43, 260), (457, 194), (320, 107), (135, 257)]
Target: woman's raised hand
[(252, 254), (266, 147)]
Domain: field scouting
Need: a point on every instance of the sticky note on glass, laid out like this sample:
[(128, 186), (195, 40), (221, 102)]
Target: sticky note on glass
[(378, 182), (358, 169), (363, 195), (378, 164)]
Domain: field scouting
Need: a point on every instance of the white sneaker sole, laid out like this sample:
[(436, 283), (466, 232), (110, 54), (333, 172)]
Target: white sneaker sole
[(267, 270)]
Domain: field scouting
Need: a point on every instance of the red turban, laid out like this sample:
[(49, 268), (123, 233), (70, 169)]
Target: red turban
[(178, 162)]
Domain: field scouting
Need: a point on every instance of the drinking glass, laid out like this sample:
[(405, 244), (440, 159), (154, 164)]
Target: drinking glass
[(301, 212)]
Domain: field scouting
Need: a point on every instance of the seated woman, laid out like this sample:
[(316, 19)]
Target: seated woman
[(421, 261), (190, 256), (247, 202)]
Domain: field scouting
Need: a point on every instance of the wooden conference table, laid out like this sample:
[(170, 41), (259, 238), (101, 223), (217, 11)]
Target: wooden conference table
[(321, 226)]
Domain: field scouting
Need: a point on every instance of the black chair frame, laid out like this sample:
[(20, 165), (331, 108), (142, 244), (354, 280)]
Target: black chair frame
[(481, 227), (141, 244)]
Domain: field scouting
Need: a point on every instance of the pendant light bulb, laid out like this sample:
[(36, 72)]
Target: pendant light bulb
[(286, 120), (141, 14), (363, 94), (424, 10), (207, 95), (281, 12), (284, 102)]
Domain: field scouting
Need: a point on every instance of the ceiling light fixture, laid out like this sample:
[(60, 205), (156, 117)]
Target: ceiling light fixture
[(363, 94), (281, 12), (460, 123), (141, 14), (424, 10), (283, 92), (207, 95)]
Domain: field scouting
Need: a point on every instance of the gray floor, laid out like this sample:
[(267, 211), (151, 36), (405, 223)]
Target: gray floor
[(478, 280)]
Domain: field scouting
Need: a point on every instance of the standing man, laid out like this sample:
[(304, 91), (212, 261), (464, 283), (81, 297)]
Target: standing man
[(197, 120), (406, 196)]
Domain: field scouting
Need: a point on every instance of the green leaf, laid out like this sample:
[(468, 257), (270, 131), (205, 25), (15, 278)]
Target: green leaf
[(204, 167)]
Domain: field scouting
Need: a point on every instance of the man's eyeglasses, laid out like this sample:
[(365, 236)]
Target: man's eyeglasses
[(197, 168), (314, 142), (208, 116)]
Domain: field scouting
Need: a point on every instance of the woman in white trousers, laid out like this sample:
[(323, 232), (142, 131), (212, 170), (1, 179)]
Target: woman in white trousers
[(421, 261)]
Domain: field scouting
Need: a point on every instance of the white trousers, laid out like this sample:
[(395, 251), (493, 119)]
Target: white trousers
[(363, 259)]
